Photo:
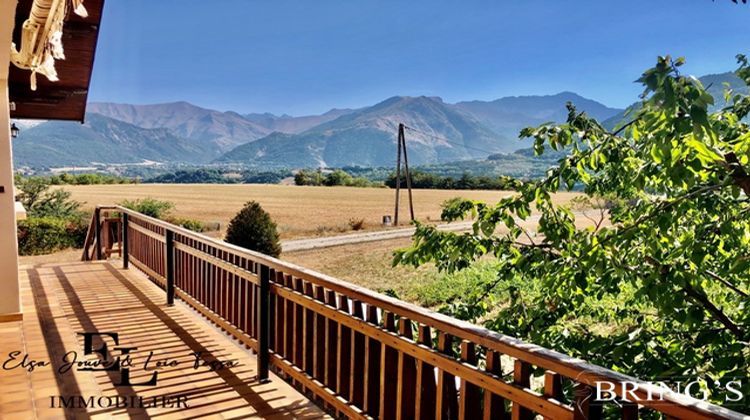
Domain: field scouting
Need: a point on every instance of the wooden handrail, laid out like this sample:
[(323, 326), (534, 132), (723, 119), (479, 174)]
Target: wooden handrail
[(90, 239), (99, 237), (215, 277)]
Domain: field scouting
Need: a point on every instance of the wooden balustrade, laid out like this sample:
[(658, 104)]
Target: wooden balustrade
[(103, 237), (365, 355)]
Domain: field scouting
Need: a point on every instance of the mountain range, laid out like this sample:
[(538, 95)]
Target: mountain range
[(222, 130), (101, 140), (180, 132)]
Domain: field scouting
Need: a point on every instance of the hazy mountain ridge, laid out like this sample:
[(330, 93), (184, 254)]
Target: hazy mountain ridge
[(103, 140), (509, 115), (367, 137), (225, 130), (340, 137), (293, 125)]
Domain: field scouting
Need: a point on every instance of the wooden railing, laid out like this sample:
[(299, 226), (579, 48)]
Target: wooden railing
[(103, 237), (365, 355)]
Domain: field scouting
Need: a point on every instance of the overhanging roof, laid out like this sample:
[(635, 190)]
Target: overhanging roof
[(66, 98)]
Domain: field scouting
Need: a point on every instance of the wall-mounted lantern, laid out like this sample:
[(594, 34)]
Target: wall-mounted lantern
[(14, 130)]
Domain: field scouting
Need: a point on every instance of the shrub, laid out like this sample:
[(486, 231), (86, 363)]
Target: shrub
[(357, 224), (264, 177), (363, 183), (194, 225), (323, 230), (189, 224), (308, 177), (336, 178), (76, 230), (54, 221), (43, 235), (149, 206), (252, 228)]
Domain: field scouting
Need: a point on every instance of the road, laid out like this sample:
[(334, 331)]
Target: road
[(356, 238), (382, 235)]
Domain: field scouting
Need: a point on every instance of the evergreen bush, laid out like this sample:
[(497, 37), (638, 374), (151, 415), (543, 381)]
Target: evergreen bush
[(253, 228)]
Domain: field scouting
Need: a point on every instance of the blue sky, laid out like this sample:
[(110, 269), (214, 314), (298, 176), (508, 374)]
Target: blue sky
[(303, 57)]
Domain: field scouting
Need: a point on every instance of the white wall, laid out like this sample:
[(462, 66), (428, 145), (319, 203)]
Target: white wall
[(9, 297)]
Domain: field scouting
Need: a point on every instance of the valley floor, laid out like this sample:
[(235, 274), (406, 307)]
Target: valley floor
[(300, 212), (303, 212)]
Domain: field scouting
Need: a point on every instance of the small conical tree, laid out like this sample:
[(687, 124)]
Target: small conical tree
[(252, 228)]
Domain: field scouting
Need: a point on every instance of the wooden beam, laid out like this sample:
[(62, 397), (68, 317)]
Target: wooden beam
[(65, 99)]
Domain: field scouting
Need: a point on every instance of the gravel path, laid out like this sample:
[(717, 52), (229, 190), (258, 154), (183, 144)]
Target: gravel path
[(355, 238), (383, 235)]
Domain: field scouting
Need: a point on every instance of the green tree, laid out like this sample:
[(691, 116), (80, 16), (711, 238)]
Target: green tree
[(253, 228), (663, 289), (336, 178), (54, 222), (40, 200), (308, 177)]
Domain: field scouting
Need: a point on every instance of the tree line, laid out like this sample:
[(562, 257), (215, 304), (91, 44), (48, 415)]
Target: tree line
[(86, 179), (419, 179)]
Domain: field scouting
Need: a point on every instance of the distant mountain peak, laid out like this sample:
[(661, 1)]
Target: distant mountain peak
[(418, 98), (366, 137), (106, 140), (339, 137), (224, 129)]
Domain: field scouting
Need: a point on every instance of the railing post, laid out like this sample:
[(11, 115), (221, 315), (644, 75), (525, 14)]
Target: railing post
[(125, 255), (98, 233), (264, 324), (170, 266)]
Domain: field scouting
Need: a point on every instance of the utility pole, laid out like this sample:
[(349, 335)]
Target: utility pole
[(402, 145)]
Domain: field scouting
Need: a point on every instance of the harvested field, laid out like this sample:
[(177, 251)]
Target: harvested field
[(299, 211), (368, 265)]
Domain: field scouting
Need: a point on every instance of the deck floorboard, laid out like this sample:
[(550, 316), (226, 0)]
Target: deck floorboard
[(62, 300)]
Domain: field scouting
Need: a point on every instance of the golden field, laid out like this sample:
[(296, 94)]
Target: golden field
[(306, 212), (299, 211)]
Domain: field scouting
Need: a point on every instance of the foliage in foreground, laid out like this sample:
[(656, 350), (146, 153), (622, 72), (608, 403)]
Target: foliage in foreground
[(252, 228), (54, 221), (673, 264), (47, 234), (151, 207), (162, 209)]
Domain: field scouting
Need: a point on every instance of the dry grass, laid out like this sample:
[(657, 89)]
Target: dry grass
[(365, 264), (368, 265), (305, 212), (299, 211)]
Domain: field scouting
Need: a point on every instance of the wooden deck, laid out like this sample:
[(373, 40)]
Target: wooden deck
[(62, 300)]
